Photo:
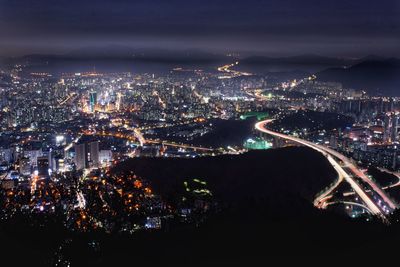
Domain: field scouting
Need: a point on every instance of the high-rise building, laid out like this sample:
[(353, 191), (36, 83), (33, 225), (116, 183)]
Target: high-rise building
[(51, 160), (394, 135), (93, 156), (33, 155), (5, 154), (87, 155), (25, 167), (59, 164), (387, 125), (333, 142), (43, 167), (92, 100), (80, 156), (105, 157), (118, 103)]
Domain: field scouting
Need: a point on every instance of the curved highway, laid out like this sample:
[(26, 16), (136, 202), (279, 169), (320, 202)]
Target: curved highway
[(375, 206), (350, 203)]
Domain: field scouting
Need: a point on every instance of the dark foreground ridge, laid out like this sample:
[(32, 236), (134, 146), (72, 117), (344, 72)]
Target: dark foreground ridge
[(265, 213)]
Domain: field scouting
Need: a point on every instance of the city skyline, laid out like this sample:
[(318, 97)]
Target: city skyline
[(199, 133)]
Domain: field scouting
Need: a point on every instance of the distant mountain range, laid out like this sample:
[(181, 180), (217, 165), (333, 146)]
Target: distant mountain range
[(129, 54), (308, 63), (119, 52), (119, 59), (375, 75), (148, 54), (308, 59)]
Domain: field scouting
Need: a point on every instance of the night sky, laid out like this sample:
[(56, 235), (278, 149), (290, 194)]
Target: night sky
[(269, 27)]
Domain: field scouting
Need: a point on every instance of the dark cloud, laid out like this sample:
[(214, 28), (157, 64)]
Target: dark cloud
[(278, 26)]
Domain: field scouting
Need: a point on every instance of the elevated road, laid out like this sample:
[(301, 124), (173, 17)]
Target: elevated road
[(351, 174), (351, 204), (168, 143)]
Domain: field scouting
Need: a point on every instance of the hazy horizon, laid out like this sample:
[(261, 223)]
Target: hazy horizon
[(113, 50), (274, 28)]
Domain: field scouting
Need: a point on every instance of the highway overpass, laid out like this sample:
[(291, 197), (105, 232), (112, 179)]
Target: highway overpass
[(376, 200)]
